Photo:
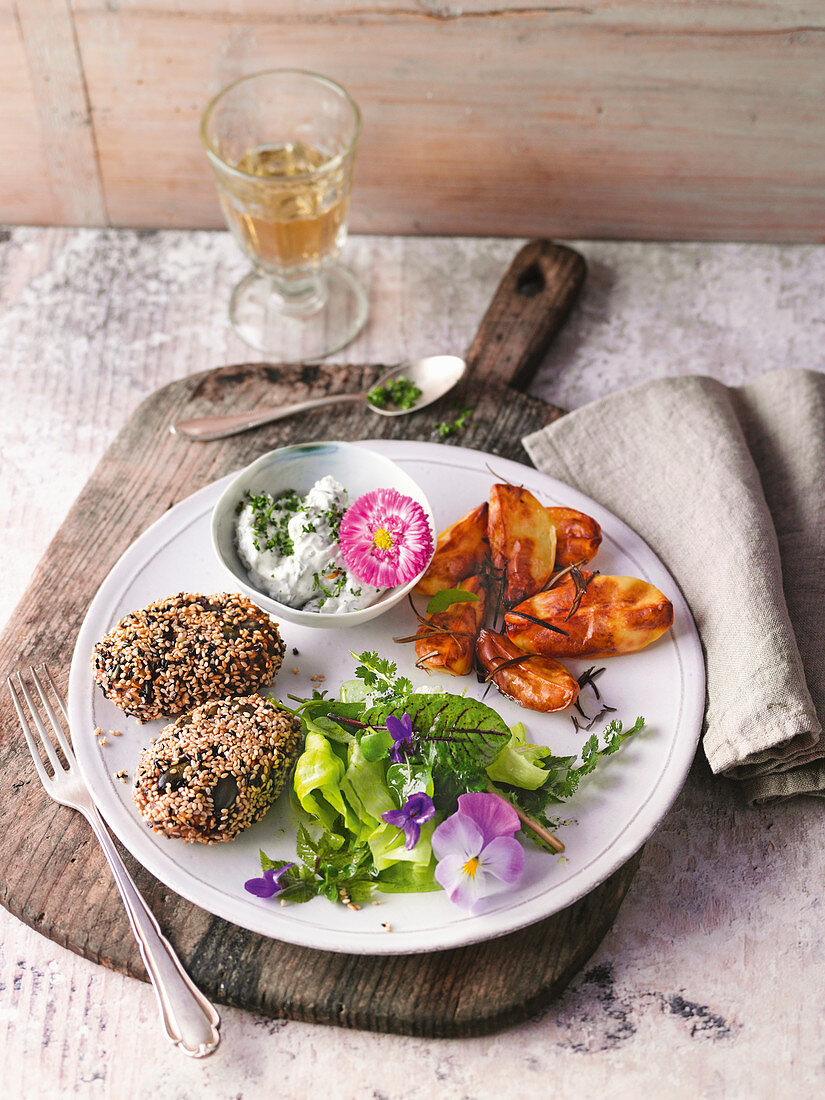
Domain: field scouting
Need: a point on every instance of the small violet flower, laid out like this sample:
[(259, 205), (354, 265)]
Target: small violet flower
[(401, 730), (476, 846), (416, 810), (269, 884)]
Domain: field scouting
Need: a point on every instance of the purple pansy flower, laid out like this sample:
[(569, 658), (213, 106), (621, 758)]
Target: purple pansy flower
[(416, 810), (269, 884), (476, 846), (402, 733)]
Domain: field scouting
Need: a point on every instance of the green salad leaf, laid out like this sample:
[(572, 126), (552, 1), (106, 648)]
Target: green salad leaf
[(318, 774), (520, 763), (456, 736), (564, 776), (352, 771), (447, 597)]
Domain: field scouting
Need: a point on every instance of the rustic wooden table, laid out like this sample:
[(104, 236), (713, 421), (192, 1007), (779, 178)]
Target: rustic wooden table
[(709, 983)]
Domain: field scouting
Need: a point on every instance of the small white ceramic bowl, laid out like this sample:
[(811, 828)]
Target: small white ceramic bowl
[(299, 467)]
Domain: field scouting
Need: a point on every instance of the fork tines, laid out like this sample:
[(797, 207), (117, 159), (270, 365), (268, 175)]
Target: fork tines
[(19, 688)]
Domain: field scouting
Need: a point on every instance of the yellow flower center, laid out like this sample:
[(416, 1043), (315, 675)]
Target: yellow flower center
[(382, 539), (471, 866)]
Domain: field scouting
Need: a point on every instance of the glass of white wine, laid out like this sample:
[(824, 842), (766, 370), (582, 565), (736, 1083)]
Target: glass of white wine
[(281, 144)]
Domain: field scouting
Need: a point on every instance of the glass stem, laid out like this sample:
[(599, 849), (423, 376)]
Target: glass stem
[(299, 295)]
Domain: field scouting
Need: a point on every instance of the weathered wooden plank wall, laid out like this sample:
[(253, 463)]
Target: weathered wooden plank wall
[(611, 118)]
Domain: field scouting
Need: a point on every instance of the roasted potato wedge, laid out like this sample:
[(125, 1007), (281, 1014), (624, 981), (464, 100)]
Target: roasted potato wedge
[(522, 541), (537, 683), (452, 652), (460, 552), (615, 615), (578, 536)]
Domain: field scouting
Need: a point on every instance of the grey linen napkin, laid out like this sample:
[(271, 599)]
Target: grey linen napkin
[(727, 485)]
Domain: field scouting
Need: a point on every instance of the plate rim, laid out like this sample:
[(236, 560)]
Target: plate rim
[(461, 932)]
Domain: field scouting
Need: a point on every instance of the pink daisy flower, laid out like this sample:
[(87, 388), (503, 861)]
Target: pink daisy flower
[(385, 538)]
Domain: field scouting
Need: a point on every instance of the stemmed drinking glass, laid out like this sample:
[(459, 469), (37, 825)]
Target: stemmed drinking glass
[(281, 144)]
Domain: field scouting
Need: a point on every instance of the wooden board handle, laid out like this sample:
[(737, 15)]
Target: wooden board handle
[(529, 307)]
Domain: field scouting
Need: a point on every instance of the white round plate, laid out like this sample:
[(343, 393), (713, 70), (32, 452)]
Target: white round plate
[(611, 815)]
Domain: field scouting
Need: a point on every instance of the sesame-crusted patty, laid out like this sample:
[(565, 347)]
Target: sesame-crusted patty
[(216, 771), (184, 650)]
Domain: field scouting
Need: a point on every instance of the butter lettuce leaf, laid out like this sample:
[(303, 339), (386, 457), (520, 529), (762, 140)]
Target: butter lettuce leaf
[(520, 763), (317, 782)]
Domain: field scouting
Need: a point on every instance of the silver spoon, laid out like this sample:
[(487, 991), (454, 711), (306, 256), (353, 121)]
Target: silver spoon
[(434, 376)]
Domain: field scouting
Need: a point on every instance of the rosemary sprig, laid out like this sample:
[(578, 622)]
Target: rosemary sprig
[(540, 622), (581, 582), (509, 661), (580, 728), (588, 679), (554, 578), (432, 629), (425, 657)]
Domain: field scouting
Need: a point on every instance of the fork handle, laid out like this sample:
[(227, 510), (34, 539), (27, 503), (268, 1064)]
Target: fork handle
[(190, 1019)]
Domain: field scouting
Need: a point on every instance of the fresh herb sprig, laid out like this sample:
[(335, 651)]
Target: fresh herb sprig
[(379, 676), (331, 865)]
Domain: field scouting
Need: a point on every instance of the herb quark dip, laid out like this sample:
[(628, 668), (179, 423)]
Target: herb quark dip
[(289, 544)]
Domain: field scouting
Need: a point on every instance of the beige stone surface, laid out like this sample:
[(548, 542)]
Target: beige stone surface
[(710, 982)]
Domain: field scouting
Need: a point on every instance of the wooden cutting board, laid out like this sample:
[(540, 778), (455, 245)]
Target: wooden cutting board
[(52, 874)]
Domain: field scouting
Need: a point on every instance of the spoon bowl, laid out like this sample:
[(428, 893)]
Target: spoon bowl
[(434, 376)]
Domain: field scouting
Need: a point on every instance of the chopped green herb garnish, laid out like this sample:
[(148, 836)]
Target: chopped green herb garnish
[(447, 428), (333, 516), (270, 521), (288, 500), (401, 393), (336, 586)]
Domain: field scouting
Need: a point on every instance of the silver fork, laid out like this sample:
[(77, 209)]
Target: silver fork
[(190, 1020)]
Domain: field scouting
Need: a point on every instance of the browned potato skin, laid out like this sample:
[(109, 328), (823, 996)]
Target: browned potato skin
[(616, 615), (460, 551), (537, 684), (454, 655), (578, 536), (522, 541)]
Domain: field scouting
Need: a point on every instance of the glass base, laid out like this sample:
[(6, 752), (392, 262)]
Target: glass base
[(299, 330)]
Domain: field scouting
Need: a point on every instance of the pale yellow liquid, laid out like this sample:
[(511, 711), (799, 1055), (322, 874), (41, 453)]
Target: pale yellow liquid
[(283, 225)]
